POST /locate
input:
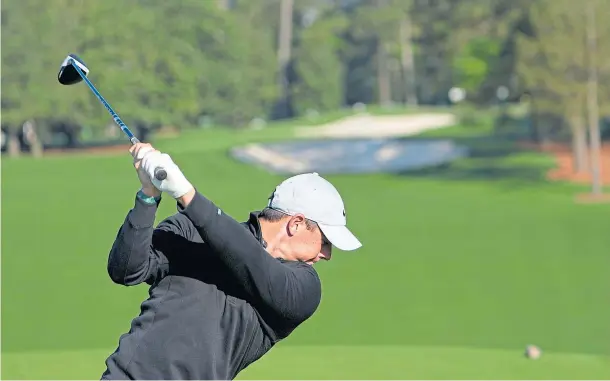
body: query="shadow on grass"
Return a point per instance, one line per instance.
(493, 159)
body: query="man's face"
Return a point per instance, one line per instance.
(305, 243)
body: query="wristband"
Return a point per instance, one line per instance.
(148, 199)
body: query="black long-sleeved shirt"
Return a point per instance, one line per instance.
(218, 301)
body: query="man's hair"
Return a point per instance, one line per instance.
(274, 215)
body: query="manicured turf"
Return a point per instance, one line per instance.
(327, 362)
(457, 275)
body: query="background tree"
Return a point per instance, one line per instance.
(562, 81)
(318, 70)
(555, 76)
(186, 64)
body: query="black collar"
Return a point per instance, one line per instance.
(253, 224)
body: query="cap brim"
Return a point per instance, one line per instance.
(341, 237)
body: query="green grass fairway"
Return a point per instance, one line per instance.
(461, 268)
(350, 362)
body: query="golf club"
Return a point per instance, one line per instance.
(72, 71)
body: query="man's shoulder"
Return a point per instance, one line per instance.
(176, 219)
(303, 268)
(179, 224)
(295, 264)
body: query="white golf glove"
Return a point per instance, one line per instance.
(175, 184)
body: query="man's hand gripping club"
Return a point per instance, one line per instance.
(146, 159)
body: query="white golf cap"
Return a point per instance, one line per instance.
(318, 200)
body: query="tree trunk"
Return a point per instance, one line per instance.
(32, 138)
(383, 76)
(383, 71)
(408, 62)
(13, 146)
(579, 145)
(592, 101)
(284, 53)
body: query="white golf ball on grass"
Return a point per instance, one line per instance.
(533, 352)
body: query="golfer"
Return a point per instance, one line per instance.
(222, 293)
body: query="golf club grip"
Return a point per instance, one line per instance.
(160, 173)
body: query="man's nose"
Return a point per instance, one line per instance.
(325, 254)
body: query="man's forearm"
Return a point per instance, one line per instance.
(185, 200)
(129, 256)
(151, 192)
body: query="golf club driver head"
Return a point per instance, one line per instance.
(67, 73)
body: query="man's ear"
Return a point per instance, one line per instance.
(296, 223)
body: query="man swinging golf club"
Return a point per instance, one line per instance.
(222, 292)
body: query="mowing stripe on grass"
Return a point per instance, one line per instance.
(344, 362)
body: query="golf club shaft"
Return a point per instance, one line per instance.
(160, 173)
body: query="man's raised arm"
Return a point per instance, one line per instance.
(137, 254)
(292, 292)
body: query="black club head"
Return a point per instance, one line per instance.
(67, 73)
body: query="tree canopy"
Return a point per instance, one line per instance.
(181, 63)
